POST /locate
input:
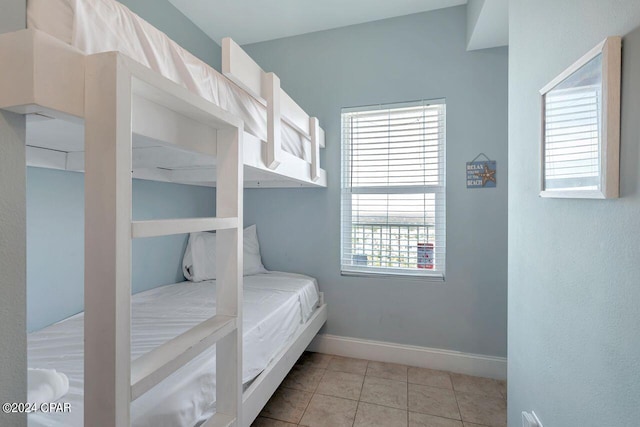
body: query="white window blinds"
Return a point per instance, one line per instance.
(573, 126)
(393, 189)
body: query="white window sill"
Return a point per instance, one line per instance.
(418, 276)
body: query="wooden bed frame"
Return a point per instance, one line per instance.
(118, 98)
(44, 79)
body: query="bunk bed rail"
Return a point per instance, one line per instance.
(264, 86)
(43, 77)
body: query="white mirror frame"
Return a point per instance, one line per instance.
(609, 137)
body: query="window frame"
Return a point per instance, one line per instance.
(438, 190)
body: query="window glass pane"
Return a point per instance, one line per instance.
(388, 228)
(572, 130)
(393, 196)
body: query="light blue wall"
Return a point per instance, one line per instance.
(13, 363)
(13, 16)
(400, 59)
(574, 265)
(164, 16)
(55, 239)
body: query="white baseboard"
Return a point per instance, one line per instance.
(423, 357)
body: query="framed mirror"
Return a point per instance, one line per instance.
(580, 152)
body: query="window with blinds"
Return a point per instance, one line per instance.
(393, 189)
(573, 123)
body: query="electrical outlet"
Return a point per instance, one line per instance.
(530, 419)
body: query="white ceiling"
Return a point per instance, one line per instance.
(250, 21)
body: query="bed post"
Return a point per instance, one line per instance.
(314, 130)
(13, 239)
(271, 92)
(107, 357)
(229, 203)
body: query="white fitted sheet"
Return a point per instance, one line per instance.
(274, 305)
(95, 26)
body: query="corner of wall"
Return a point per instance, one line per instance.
(474, 9)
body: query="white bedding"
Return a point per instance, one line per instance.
(95, 26)
(275, 306)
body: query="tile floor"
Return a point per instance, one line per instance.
(333, 391)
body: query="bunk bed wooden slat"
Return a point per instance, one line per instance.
(162, 91)
(271, 88)
(314, 127)
(290, 166)
(25, 59)
(155, 228)
(158, 157)
(229, 274)
(294, 115)
(161, 124)
(108, 192)
(156, 365)
(40, 157)
(241, 69)
(40, 70)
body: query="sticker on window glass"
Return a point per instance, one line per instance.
(425, 255)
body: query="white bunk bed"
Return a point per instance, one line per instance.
(116, 118)
(281, 142)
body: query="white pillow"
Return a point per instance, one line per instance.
(251, 258)
(199, 262)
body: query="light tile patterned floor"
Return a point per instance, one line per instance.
(333, 391)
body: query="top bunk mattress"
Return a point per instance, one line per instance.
(95, 26)
(275, 307)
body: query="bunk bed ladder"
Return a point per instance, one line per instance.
(112, 380)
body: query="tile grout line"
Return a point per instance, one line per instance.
(407, 397)
(321, 378)
(455, 396)
(305, 409)
(360, 395)
(314, 393)
(353, 423)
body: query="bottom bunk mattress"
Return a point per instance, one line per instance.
(276, 306)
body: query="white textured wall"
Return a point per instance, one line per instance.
(13, 15)
(574, 265)
(13, 306)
